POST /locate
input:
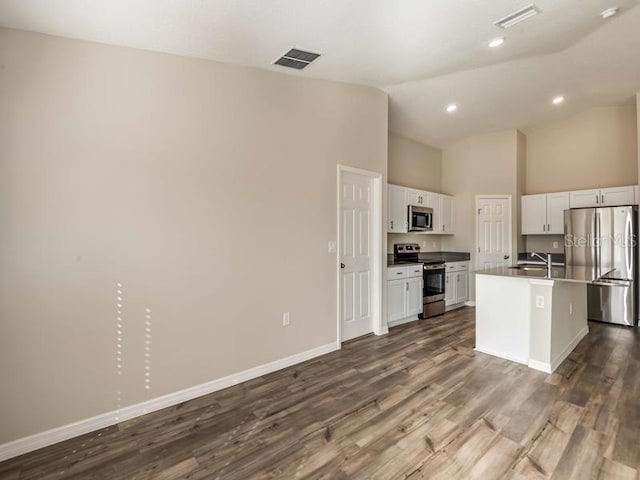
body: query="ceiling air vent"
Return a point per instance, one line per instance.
(517, 17)
(297, 59)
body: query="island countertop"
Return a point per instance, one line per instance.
(566, 274)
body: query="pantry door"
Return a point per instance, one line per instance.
(493, 239)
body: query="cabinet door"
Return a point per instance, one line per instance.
(462, 289)
(450, 289)
(397, 212)
(611, 197)
(446, 213)
(584, 198)
(396, 300)
(434, 201)
(416, 197)
(534, 214)
(557, 203)
(414, 296)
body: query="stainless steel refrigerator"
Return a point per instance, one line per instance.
(605, 239)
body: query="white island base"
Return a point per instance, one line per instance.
(534, 321)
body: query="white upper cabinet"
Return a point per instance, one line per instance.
(584, 198)
(418, 197)
(446, 214)
(543, 214)
(397, 211)
(611, 197)
(534, 214)
(602, 197)
(400, 198)
(557, 203)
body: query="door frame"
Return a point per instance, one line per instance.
(510, 211)
(377, 243)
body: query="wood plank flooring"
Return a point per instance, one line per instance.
(416, 404)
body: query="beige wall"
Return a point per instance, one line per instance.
(414, 164)
(480, 165)
(595, 148)
(207, 190)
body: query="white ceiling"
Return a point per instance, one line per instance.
(424, 53)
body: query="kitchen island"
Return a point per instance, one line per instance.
(531, 315)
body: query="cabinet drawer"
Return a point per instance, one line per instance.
(457, 266)
(394, 273)
(408, 271)
(414, 271)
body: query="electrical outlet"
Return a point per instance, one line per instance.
(555, 244)
(286, 319)
(331, 247)
(539, 301)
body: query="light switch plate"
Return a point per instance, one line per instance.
(331, 247)
(539, 301)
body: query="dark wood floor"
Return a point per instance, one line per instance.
(418, 403)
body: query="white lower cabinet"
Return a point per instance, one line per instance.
(456, 287)
(404, 294)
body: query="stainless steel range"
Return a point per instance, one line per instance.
(433, 278)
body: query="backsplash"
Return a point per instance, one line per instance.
(428, 243)
(544, 243)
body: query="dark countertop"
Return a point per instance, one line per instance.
(434, 257)
(567, 274)
(446, 256)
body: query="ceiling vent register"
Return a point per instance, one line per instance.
(297, 59)
(517, 17)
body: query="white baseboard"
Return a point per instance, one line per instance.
(65, 432)
(470, 303)
(395, 323)
(500, 355)
(555, 363)
(540, 366)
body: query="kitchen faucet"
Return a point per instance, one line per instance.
(546, 260)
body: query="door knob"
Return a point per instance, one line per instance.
(342, 265)
(506, 257)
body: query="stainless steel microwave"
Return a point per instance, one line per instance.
(420, 219)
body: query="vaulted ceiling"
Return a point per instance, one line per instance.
(425, 54)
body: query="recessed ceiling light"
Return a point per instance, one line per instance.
(558, 100)
(496, 42)
(452, 108)
(609, 12)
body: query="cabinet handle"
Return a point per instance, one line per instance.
(548, 227)
(601, 199)
(597, 199)
(407, 286)
(543, 229)
(443, 227)
(391, 224)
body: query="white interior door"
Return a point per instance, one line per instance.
(356, 254)
(494, 232)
